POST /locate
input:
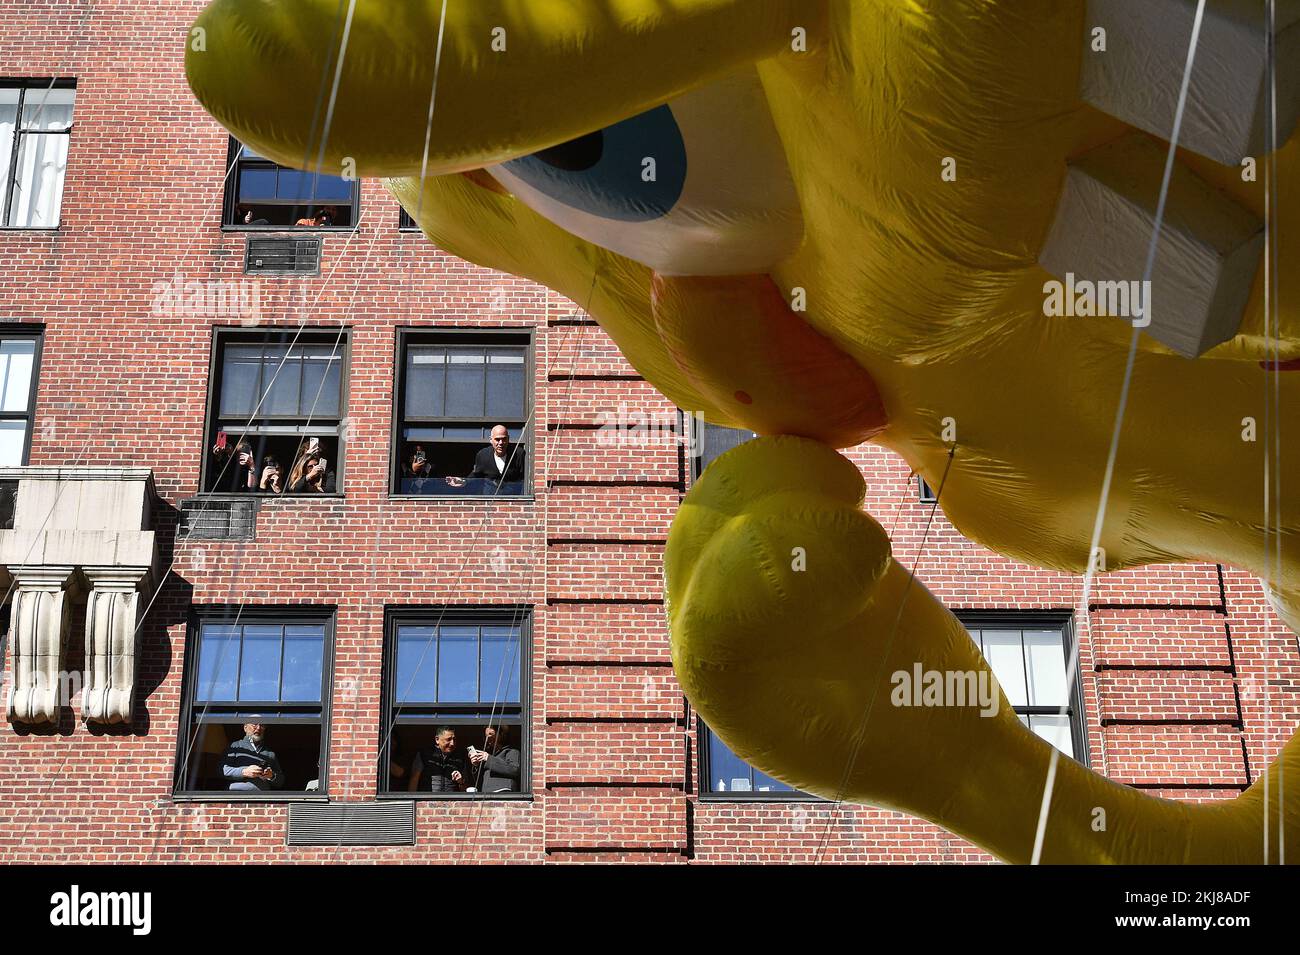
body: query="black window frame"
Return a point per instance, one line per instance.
(924, 493)
(24, 85)
(271, 614)
(459, 336)
(1062, 620)
(223, 335)
(230, 197)
(406, 222)
(444, 615)
(36, 332)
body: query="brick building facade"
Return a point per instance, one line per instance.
(1187, 681)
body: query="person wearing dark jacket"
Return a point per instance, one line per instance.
(499, 462)
(497, 764)
(438, 768)
(250, 765)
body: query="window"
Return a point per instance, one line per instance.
(462, 669)
(1028, 654)
(924, 492)
(725, 773)
(19, 362)
(276, 412)
(710, 441)
(35, 126)
(454, 388)
(261, 666)
(405, 223)
(263, 195)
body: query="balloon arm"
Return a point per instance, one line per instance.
(816, 657)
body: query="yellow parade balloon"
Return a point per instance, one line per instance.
(925, 223)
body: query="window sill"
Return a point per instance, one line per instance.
(30, 228)
(263, 496)
(249, 797)
(522, 498)
(309, 229)
(458, 797)
(736, 798)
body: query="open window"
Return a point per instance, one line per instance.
(460, 669)
(276, 412)
(261, 194)
(255, 722)
(35, 128)
(20, 351)
(455, 388)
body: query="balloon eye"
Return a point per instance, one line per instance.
(577, 155)
(633, 171)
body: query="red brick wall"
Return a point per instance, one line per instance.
(613, 749)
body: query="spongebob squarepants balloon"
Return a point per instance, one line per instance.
(924, 223)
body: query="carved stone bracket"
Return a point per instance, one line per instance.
(38, 624)
(112, 633)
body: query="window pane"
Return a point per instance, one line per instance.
(45, 107)
(8, 120)
(426, 368)
(499, 678)
(259, 670)
(16, 358)
(458, 665)
(764, 783)
(307, 187)
(715, 439)
(13, 438)
(256, 184)
(1056, 730)
(322, 368)
(417, 665)
(304, 652)
(728, 773)
(38, 181)
(505, 383)
(239, 379)
(1002, 650)
(1045, 656)
(218, 663)
(282, 381)
(465, 382)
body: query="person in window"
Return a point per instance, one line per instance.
(311, 475)
(417, 466)
(248, 217)
(233, 469)
(272, 480)
(321, 220)
(496, 766)
(250, 765)
(498, 462)
(438, 768)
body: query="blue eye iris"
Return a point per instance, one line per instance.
(604, 173)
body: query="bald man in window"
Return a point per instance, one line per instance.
(499, 462)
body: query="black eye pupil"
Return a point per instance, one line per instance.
(577, 154)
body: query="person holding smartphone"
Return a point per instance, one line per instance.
(250, 764)
(496, 766)
(232, 468)
(311, 475)
(272, 480)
